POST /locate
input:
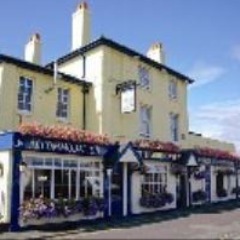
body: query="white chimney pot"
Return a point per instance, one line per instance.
(33, 49)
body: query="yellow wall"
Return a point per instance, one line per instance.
(44, 104)
(118, 68)
(200, 141)
(94, 74)
(105, 68)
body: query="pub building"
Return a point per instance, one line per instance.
(58, 174)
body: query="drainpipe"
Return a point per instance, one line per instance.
(84, 90)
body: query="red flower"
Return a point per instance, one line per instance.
(156, 145)
(216, 153)
(67, 133)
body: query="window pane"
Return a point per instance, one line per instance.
(42, 183)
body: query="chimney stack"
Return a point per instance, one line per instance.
(33, 49)
(157, 53)
(80, 26)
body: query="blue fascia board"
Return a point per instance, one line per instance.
(6, 140)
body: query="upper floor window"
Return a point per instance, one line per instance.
(25, 92)
(62, 103)
(145, 121)
(172, 91)
(174, 126)
(144, 79)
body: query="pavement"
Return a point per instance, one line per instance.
(218, 221)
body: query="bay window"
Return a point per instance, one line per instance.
(154, 182)
(59, 177)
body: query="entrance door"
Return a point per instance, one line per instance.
(219, 183)
(181, 191)
(117, 201)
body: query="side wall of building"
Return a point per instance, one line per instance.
(196, 140)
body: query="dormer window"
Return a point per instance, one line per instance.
(144, 79)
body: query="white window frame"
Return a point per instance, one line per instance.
(63, 101)
(90, 165)
(144, 77)
(174, 127)
(173, 89)
(26, 94)
(145, 120)
(155, 180)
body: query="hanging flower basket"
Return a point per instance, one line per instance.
(199, 175)
(177, 169)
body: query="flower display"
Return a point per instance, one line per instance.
(156, 200)
(45, 208)
(236, 190)
(199, 175)
(199, 195)
(221, 193)
(177, 169)
(139, 167)
(226, 171)
(63, 132)
(216, 153)
(156, 145)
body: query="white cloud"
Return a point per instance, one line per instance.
(219, 120)
(204, 74)
(236, 52)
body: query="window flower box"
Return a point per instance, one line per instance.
(156, 200)
(199, 196)
(47, 209)
(199, 175)
(221, 193)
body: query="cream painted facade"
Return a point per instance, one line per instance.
(44, 99)
(112, 67)
(105, 64)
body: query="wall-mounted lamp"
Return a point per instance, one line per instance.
(22, 166)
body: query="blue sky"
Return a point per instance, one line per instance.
(201, 39)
